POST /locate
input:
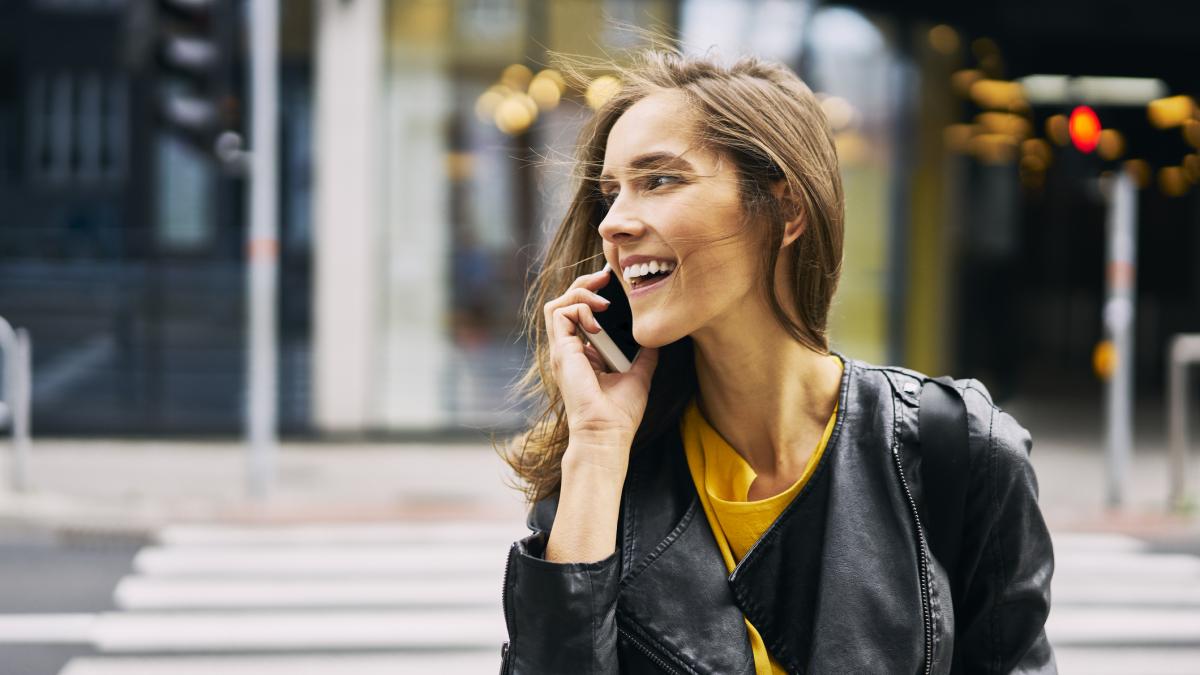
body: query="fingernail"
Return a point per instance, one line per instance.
(606, 301)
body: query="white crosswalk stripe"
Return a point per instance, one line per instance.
(425, 598)
(1118, 607)
(303, 600)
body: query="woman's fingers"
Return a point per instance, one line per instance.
(567, 321)
(574, 296)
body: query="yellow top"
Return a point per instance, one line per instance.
(723, 479)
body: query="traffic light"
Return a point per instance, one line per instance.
(1084, 128)
(193, 70)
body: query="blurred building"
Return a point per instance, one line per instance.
(425, 156)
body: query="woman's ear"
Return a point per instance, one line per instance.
(795, 226)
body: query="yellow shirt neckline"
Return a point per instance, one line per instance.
(722, 478)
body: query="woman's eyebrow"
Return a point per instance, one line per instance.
(647, 160)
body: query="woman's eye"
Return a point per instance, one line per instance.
(651, 182)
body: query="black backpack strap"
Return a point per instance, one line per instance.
(944, 467)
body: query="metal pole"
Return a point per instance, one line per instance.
(1118, 323)
(15, 351)
(22, 362)
(1184, 351)
(262, 249)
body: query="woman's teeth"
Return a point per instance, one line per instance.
(637, 273)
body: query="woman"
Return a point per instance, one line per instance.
(744, 500)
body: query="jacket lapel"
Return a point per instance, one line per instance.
(674, 586)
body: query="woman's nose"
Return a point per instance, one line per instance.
(620, 225)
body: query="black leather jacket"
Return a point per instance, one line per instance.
(842, 582)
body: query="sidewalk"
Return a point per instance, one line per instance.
(138, 486)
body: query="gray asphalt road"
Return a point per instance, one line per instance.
(43, 571)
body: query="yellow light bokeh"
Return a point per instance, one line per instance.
(488, 101)
(601, 90)
(984, 47)
(840, 112)
(1058, 129)
(516, 77)
(1191, 167)
(545, 93)
(944, 40)
(1032, 163)
(957, 137)
(1139, 170)
(1039, 148)
(1191, 133)
(515, 113)
(1172, 111)
(1172, 182)
(996, 94)
(1111, 144)
(1004, 123)
(962, 80)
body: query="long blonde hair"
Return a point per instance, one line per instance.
(753, 112)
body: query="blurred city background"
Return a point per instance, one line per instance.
(1022, 187)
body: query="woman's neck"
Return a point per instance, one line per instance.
(769, 396)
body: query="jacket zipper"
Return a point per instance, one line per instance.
(926, 612)
(505, 661)
(649, 652)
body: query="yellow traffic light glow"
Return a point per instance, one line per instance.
(1104, 359)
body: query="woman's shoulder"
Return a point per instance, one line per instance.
(989, 425)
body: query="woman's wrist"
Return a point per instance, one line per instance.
(596, 461)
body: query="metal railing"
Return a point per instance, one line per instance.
(1184, 351)
(16, 352)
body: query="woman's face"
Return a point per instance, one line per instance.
(673, 208)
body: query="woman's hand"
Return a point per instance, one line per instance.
(603, 409)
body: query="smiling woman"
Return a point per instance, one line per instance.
(743, 499)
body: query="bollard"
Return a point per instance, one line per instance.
(1184, 351)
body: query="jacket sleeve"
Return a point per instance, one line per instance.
(561, 617)
(1007, 558)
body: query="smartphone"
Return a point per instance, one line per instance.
(615, 340)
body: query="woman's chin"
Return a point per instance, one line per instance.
(653, 336)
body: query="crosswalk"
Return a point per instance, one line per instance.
(305, 600)
(403, 598)
(1117, 607)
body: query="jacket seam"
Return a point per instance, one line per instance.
(997, 549)
(628, 544)
(592, 614)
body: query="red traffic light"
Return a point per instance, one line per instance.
(1084, 128)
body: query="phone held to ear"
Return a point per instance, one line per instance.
(615, 340)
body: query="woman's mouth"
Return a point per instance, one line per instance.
(645, 284)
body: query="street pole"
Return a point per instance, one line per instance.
(262, 250)
(1119, 310)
